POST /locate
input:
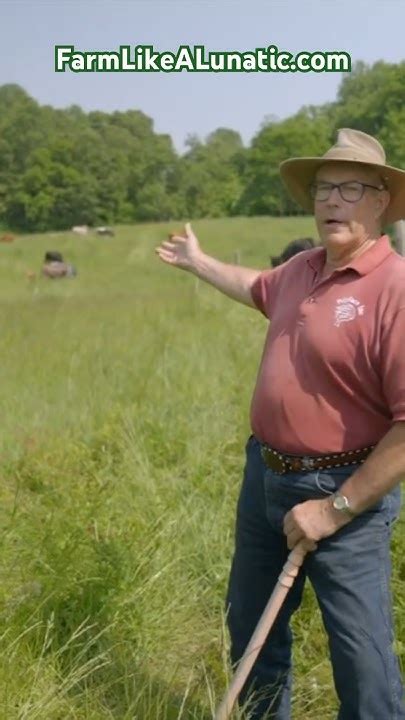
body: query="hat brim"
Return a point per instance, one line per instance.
(298, 174)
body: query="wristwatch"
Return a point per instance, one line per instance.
(341, 503)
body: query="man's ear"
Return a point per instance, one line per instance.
(383, 200)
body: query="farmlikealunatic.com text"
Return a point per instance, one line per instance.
(143, 58)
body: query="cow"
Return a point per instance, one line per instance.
(53, 256)
(105, 231)
(293, 247)
(55, 267)
(80, 229)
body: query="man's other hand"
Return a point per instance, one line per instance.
(182, 251)
(311, 521)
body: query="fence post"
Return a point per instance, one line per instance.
(400, 237)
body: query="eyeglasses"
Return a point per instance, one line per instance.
(349, 191)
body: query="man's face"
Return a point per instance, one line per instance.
(346, 224)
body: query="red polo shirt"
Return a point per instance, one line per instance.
(332, 374)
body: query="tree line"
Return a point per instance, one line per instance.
(60, 168)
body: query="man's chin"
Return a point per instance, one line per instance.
(336, 234)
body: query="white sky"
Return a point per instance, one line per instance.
(183, 103)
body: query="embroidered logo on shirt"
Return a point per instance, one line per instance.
(347, 309)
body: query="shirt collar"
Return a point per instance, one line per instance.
(363, 264)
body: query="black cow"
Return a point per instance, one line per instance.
(294, 247)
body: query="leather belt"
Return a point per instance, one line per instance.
(282, 464)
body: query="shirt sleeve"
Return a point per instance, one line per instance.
(393, 365)
(264, 290)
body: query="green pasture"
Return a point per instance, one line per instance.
(125, 411)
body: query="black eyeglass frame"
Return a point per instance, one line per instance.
(332, 186)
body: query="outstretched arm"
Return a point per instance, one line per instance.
(184, 252)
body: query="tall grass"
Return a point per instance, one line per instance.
(125, 396)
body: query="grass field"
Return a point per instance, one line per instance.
(125, 400)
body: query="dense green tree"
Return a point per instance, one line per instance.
(211, 183)
(392, 135)
(64, 167)
(304, 134)
(368, 94)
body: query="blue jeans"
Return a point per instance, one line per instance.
(350, 573)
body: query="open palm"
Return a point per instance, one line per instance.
(180, 250)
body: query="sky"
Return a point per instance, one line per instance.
(182, 104)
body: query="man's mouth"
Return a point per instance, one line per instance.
(333, 223)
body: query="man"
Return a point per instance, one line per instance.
(328, 419)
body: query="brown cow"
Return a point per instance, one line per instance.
(55, 267)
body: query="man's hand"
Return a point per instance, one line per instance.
(182, 251)
(311, 521)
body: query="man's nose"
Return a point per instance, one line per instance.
(334, 197)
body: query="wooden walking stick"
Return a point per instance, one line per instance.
(285, 581)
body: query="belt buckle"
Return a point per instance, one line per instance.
(308, 463)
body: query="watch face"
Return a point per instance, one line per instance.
(340, 503)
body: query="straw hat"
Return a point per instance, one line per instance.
(351, 146)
